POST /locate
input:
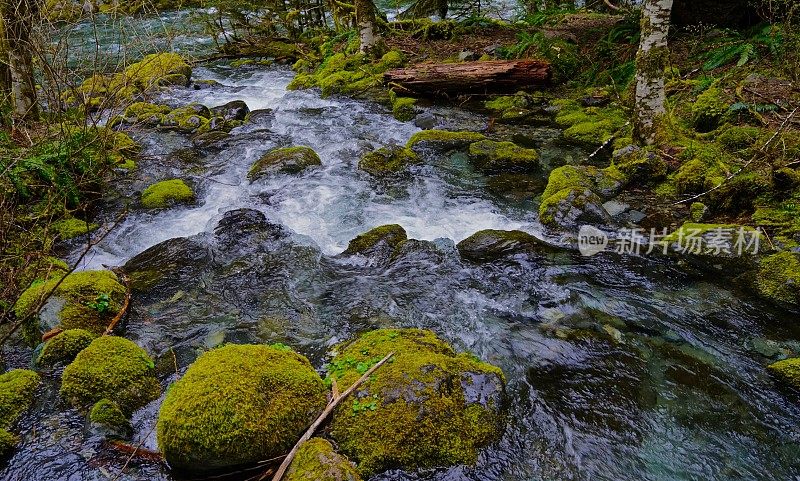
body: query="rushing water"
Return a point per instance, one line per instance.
(618, 368)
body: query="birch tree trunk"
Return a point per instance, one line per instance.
(366, 23)
(652, 59)
(18, 18)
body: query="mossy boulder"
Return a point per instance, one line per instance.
(238, 404)
(84, 300)
(63, 347)
(488, 245)
(591, 126)
(383, 239)
(233, 110)
(708, 109)
(112, 368)
(574, 195)
(737, 138)
(286, 160)
(167, 193)
(7, 443)
(495, 157)
(778, 278)
(17, 389)
(316, 460)
(71, 227)
(443, 139)
(189, 118)
(390, 160)
(698, 211)
(159, 69)
(429, 407)
(145, 113)
(403, 108)
(640, 165)
(788, 370)
(107, 417)
(507, 102)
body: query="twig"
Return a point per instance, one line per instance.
(747, 164)
(335, 400)
(133, 453)
(611, 6)
(124, 307)
(607, 142)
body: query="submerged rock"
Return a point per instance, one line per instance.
(495, 157)
(429, 407)
(84, 300)
(488, 245)
(316, 460)
(388, 161)
(167, 265)
(112, 368)
(287, 160)
(167, 193)
(380, 241)
(443, 139)
(64, 347)
(238, 404)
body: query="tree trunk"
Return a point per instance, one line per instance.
(365, 22)
(470, 77)
(652, 59)
(18, 18)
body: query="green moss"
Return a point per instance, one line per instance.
(159, 69)
(106, 413)
(79, 291)
(7, 442)
(280, 50)
(443, 139)
(641, 165)
(286, 160)
(735, 138)
(493, 157)
(17, 388)
(566, 177)
(392, 235)
(697, 211)
(316, 460)
(778, 278)
(111, 368)
(696, 237)
(238, 404)
(708, 109)
(190, 118)
(414, 412)
(167, 193)
(490, 244)
(508, 102)
(64, 347)
(706, 167)
(392, 59)
(589, 126)
(70, 228)
(146, 113)
(788, 370)
(388, 160)
(403, 108)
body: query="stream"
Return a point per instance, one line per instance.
(618, 367)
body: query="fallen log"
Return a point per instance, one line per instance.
(494, 76)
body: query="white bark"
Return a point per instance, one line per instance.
(18, 16)
(651, 61)
(365, 21)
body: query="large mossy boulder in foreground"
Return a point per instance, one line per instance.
(286, 160)
(495, 157)
(166, 194)
(84, 300)
(17, 388)
(388, 161)
(429, 407)
(316, 460)
(112, 368)
(238, 404)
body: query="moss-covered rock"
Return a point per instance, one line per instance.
(490, 244)
(574, 195)
(708, 109)
(737, 138)
(145, 113)
(640, 165)
(388, 161)
(189, 118)
(495, 157)
(238, 404)
(107, 416)
(403, 108)
(167, 193)
(429, 407)
(71, 227)
(64, 347)
(159, 69)
(788, 370)
(7, 443)
(112, 368)
(385, 237)
(778, 278)
(17, 389)
(316, 460)
(84, 300)
(286, 160)
(509, 102)
(591, 126)
(443, 139)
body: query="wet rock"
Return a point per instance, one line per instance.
(425, 121)
(788, 371)
(468, 56)
(83, 300)
(261, 116)
(165, 266)
(575, 194)
(428, 408)
(107, 419)
(245, 230)
(287, 160)
(378, 243)
(205, 85)
(234, 110)
(17, 391)
(488, 245)
(167, 193)
(388, 161)
(205, 423)
(183, 157)
(639, 165)
(495, 157)
(316, 460)
(206, 140)
(111, 368)
(443, 140)
(190, 118)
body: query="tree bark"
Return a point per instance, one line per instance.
(18, 16)
(471, 77)
(651, 61)
(365, 22)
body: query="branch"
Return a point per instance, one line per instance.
(124, 307)
(335, 400)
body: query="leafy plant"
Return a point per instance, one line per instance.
(101, 303)
(369, 404)
(740, 50)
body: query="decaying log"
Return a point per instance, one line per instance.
(494, 76)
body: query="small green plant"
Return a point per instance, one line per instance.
(101, 303)
(741, 50)
(369, 404)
